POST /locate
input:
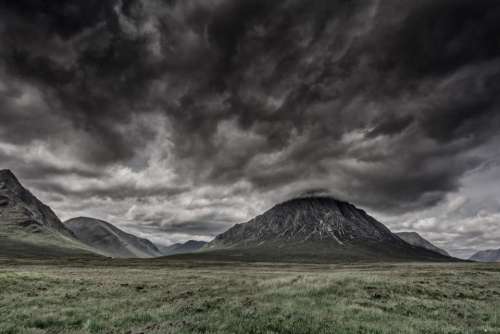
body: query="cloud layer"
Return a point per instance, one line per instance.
(183, 117)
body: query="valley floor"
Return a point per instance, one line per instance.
(164, 296)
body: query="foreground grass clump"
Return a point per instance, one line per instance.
(173, 297)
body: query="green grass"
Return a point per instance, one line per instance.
(166, 296)
(38, 241)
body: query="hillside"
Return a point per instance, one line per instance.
(415, 239)
(109, 240)
(30, 228)
(491, 255)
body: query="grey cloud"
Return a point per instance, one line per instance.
(208, 225)
(385, 103)
(193, 227)
(115, 192)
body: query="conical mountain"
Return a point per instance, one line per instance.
(30, 228)
(316, 229)
(307, 219)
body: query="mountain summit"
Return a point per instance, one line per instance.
(321, 228)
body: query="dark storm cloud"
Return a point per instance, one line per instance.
(34, 171)
(87, 69)
(391, 126)
(120, 191)
(59, 17)
(391, 97)
(439, 37)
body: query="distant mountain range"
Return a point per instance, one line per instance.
(109, 240)
(190, 246)
(491, 255)
(415, 239)
(310, 229)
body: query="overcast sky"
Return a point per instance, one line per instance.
(177, 119)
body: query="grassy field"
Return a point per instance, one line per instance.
(160, 296)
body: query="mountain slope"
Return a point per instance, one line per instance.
(491, 255)
(415, 239)
(190, 246)
(318, 229)
(110, 240)
(30, 228)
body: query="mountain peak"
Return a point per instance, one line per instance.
(8, 179)
(308, 219)
(5, 171)
(313, 199)
(318, 201)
